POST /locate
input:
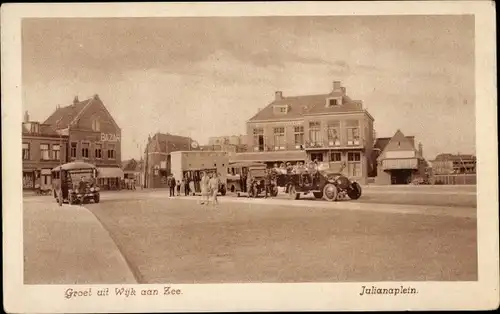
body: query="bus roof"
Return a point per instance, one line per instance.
(75, 165)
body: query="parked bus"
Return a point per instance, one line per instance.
(190, 164)
(237, 174)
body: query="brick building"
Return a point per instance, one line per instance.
(42, 150)
(93, 137)
(157, 157)
(397, 161)
(330, 127)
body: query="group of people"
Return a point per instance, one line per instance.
(209, 186)
(176, 187)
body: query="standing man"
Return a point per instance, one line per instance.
(267, 182)
(249, 182)
(204, 185)
(172, 186)
(214, 188)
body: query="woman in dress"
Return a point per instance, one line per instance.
(204, 189)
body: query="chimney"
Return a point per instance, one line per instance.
(75, 100)
(337, 86)
(278, 95)
(26, 117)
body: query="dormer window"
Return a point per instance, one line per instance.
(281, 109)
(333, 102)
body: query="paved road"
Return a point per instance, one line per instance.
(241, 240)
(280, 240)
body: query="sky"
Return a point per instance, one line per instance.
(206, 76)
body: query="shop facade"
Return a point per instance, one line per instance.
(42, 150)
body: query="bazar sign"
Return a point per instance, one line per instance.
(105, 137)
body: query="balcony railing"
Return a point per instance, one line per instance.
(356, 143)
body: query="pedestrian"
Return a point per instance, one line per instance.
(172, 186)
(182, 187)
(267, 182)
(178, 186)
(204, 188)
(191, 187)
(249, 183)
(214, 188)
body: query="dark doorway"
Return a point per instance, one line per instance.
(402, 176)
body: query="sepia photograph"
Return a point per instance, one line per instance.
(165, 154)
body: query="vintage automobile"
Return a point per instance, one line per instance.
(258, 174)
(75, 182)
(324, 183)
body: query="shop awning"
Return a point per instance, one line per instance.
(109, 172)
(395, 164)
(277, 156)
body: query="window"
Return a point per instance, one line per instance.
(98, 151)
(333, 133)
(56, 152)
(258, 139)
(73, 150)
(85, 150)
(353, 132)
(298, 136)
(317, 157)
(332, 102)
(35, 127)
(111, 151)
(26, 151)
(96, 125)
(315, 133)
(44, 151)
(354, 164)
(280, 109)
(279, 138)
(335, 157)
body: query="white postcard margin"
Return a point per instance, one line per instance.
(483, 294)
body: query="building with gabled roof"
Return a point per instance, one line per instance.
(454, 164)
(94, 137)
(329, 127)
(397, 159)
(157, 156)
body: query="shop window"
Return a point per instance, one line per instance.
(85, 150)
(44, 152)
(26, 151)
(56, 152)
(73, 150)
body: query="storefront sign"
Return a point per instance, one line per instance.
(106, 137)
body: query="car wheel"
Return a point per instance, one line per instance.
(354, 191)
(318, 194)
(330, 192)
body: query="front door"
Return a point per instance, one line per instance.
(261, 143)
